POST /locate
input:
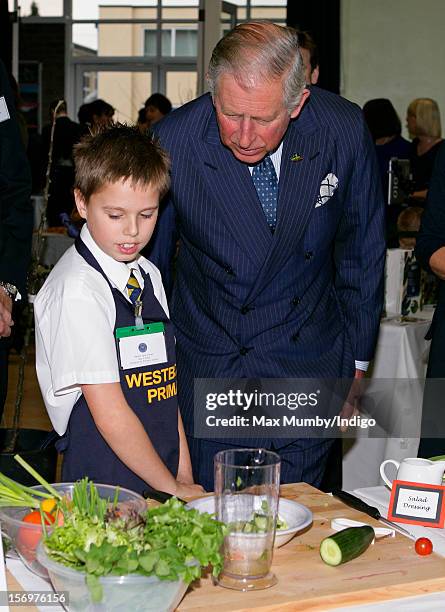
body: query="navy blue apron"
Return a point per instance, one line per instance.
(85, 451)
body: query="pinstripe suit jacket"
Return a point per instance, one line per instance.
(304, 302)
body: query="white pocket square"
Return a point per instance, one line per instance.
(327, 188)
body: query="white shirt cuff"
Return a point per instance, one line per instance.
(361, 365)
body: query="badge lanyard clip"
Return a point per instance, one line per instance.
(139, 323)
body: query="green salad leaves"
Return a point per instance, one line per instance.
(169, 541)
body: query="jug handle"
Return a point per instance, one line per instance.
(382, 471)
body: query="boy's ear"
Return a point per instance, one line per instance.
(81, 205)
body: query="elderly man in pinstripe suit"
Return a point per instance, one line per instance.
(276, 200)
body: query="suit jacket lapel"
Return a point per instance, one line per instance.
(231, 186)
(299, 185)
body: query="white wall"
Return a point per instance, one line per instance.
(393, 49)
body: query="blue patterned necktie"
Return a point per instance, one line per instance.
(266, 184)
(133, 288)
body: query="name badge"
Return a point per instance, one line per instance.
(141, 347)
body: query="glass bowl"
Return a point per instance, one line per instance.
(25, 537)
(133, 592)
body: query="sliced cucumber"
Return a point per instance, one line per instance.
(261, 522)
(346, 544)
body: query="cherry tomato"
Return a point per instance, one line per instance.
(423, 546)
(29, 537)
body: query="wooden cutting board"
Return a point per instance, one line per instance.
(389, 569)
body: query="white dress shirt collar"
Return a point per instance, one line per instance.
(276, 160)
(117, 272)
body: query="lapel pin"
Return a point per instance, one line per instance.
(296, 157)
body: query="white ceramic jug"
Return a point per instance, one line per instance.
(415, 469)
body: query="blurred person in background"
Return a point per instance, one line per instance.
(424, 127)
(386, 131)
(430, 252)
(16, 221)
(66, 134)
(156, 107)
(386, 128)
(101, 113)
(309, 53)
(94, 115)
(142, 121)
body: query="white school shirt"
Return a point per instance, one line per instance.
(74, 318)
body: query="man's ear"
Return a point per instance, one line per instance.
(304, 96)
(81, 205)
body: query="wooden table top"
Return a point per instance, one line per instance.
(389, 569)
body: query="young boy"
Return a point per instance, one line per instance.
(105, 346)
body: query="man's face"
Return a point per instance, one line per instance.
(252, 121)
(121, 217)
(310, 75)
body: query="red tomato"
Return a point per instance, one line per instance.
(423, 546)
(29, 537)
(34, 517)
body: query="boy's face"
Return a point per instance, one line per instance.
(121, 217)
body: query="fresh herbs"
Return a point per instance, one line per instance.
(170, 542)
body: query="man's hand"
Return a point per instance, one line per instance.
(6, 321)
(351, 405)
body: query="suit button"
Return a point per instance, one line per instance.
(296, 301)
(229, 271)
(244, 310)
(295, 337)
(244, 350)
(308, 255)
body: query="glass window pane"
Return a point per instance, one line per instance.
(84, 39)
(150, 42)
(41, 8)
(181, 86)
(166, 48)
(186, 43)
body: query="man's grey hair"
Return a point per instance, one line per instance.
(258, 52)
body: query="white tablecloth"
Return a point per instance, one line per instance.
(401, 353)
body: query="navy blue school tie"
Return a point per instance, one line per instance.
(133, 288)
(266, 184)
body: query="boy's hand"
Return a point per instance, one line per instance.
(188, 490)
